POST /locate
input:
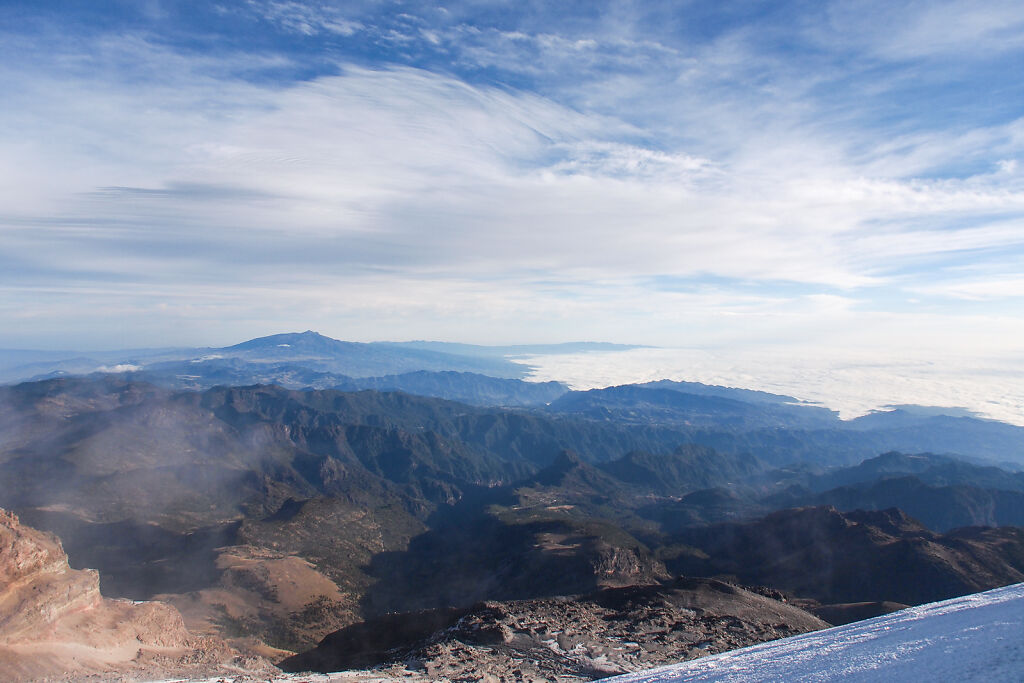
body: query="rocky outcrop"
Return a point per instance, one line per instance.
(579, 638)
(857, 556)
(55, 624)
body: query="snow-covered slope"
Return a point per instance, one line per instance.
(973, 638)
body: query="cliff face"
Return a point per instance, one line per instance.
(55, 624)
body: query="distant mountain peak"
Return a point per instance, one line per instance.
(296, 342)
(568, 465)
(567, 459)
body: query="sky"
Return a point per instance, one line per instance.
(721, 175)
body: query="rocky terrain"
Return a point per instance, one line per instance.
(581, 638)
(55, 625)
(272, 517)
(942, 492)
(857, 556)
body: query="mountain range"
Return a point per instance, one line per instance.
(276, 512)
(310, 351)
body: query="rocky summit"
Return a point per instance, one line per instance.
(580, 638)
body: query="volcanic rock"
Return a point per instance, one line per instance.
(55, 624)
(578, 638)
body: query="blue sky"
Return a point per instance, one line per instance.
(722, 174)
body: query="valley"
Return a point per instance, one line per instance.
(284, 520)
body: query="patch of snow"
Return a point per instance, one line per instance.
(972, 638)
(122, 367)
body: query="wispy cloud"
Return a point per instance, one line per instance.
(924, 29)
(542, 170)
(305, 18)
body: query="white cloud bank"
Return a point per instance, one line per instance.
(852, 382)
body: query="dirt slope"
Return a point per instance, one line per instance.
(55, 625)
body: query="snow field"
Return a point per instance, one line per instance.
(972, 638)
